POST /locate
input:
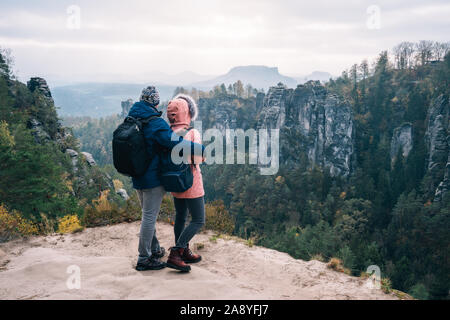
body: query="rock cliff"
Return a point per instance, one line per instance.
(437, 139)
(314, 121)
(126, 106)
(401, 141)
(46, 128)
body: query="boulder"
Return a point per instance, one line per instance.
(89, 159)
(123, 193)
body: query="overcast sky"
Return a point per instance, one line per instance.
(126, 39)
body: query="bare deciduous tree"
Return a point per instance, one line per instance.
(424, 51)
(403, 54)
(440, 49)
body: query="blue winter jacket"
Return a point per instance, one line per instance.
(158, 136)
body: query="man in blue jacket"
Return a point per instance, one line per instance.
(158, 136)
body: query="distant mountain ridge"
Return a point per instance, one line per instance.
(98, 99)
(258, 76)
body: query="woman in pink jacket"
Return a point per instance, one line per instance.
(180, 112)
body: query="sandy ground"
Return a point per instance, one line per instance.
(38, 269)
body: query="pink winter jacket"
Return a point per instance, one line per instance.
(179, 113)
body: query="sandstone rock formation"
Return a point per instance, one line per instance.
(39, 84)
(314, 121)
(444, 185)
(401, 140)
(123, 194)
(74, 156)
(273, 112)
(437, 140)
(126, 106)
(227, 112)
(311, 120)
(37, 130)
(89, 159)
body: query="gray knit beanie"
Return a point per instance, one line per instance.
(150, 95)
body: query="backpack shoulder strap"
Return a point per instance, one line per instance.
(143, 122)
(147, 120)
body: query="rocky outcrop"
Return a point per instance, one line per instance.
(273, 112)
(259, 101)
(82, 173)
(123, 194)
(338, 140)
(401, 141)
(126, 106)
(74, 157)
(38, 131)
(444, 185)
(89, 159)
(86, 156)
(227, 112)
(437, 141)
(312, 121)
(40, 85)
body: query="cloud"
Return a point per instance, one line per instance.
(210, 36)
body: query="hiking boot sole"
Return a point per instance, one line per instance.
(182, 269)
(147, 268)
(193, 261)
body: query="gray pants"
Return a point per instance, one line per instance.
(150, 200)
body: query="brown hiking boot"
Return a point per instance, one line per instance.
(175, 260)
(190, 257)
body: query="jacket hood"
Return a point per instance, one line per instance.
(144, 110)
(193, 109)
(178, 114)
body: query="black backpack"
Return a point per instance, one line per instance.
(175, 177)
(129, 148)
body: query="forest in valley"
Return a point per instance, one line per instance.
(384, 213)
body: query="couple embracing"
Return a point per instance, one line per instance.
(159, 137)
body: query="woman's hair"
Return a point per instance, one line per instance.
(193, 109)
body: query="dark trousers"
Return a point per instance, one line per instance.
(184, 234)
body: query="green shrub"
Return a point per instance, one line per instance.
(218, 218)
(103, 212)
(419, 291)
(347, 257)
